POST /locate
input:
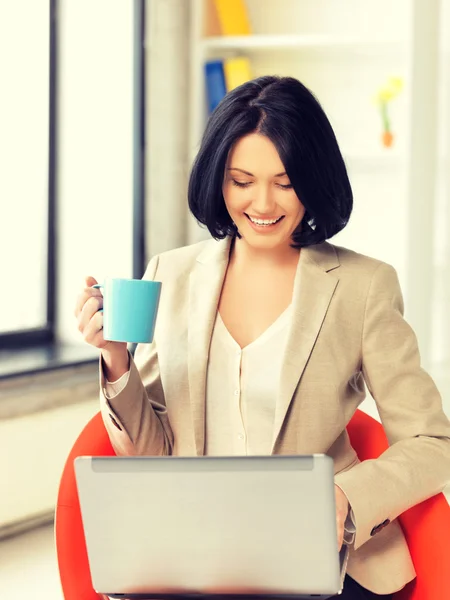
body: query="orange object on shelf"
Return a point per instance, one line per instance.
(387, 139)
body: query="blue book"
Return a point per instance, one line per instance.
(215, 83)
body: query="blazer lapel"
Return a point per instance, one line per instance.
(205, 286)
(313, 289)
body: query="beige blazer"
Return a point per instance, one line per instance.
(347, 331)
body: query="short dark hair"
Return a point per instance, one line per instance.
(286, 112)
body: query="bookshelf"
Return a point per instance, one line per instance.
(296, 39)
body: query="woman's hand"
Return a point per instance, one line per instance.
(342, 508)
(90, 324)
(90, 317)
(88, 314)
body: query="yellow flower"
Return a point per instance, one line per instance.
(396, 85)
(390, 90)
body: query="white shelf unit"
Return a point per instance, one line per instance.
(278, 46)
(267, 42)
(343, 51)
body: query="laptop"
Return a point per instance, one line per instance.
(228, 527)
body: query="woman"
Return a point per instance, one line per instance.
(267, 334)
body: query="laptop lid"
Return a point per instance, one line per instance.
(170, 526)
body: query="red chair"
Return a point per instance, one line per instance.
(69, 535)
(426, 526)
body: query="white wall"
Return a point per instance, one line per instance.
(167, 124)
(441, 313)
(34, 449)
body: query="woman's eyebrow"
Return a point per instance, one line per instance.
(240, 170)
(251, 174)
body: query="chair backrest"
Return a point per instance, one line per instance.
(71, 550)
(426, 526)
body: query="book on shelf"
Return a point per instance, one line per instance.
(237, 71)
(232, 17)
(215, 83)
(222, 76)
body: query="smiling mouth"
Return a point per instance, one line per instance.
(264, 222)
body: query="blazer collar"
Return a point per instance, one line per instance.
(215, 251)
(315, 283)
(313, 289)
(205, 286)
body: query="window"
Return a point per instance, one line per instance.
(27, 123)
(83, 215)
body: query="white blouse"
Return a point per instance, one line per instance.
(241, 389)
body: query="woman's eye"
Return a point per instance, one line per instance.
(241, 184)
(244, 184)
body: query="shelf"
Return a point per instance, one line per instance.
(389, 159)
(311, 41)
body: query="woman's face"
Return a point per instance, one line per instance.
(258, 194)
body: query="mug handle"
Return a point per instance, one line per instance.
(98, 286)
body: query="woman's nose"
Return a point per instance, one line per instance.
(262, 202)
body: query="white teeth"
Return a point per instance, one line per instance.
(264, 222)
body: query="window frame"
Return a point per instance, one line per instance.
(139, 137)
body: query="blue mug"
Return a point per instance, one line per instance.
(130, 307)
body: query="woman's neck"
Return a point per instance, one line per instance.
(243, 254)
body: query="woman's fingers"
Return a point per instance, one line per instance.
(90, 308)
(93, 331)
(90, 317)
(86, 294)
(342, 508)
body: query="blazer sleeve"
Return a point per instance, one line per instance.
(416, 466)
(136, 418)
